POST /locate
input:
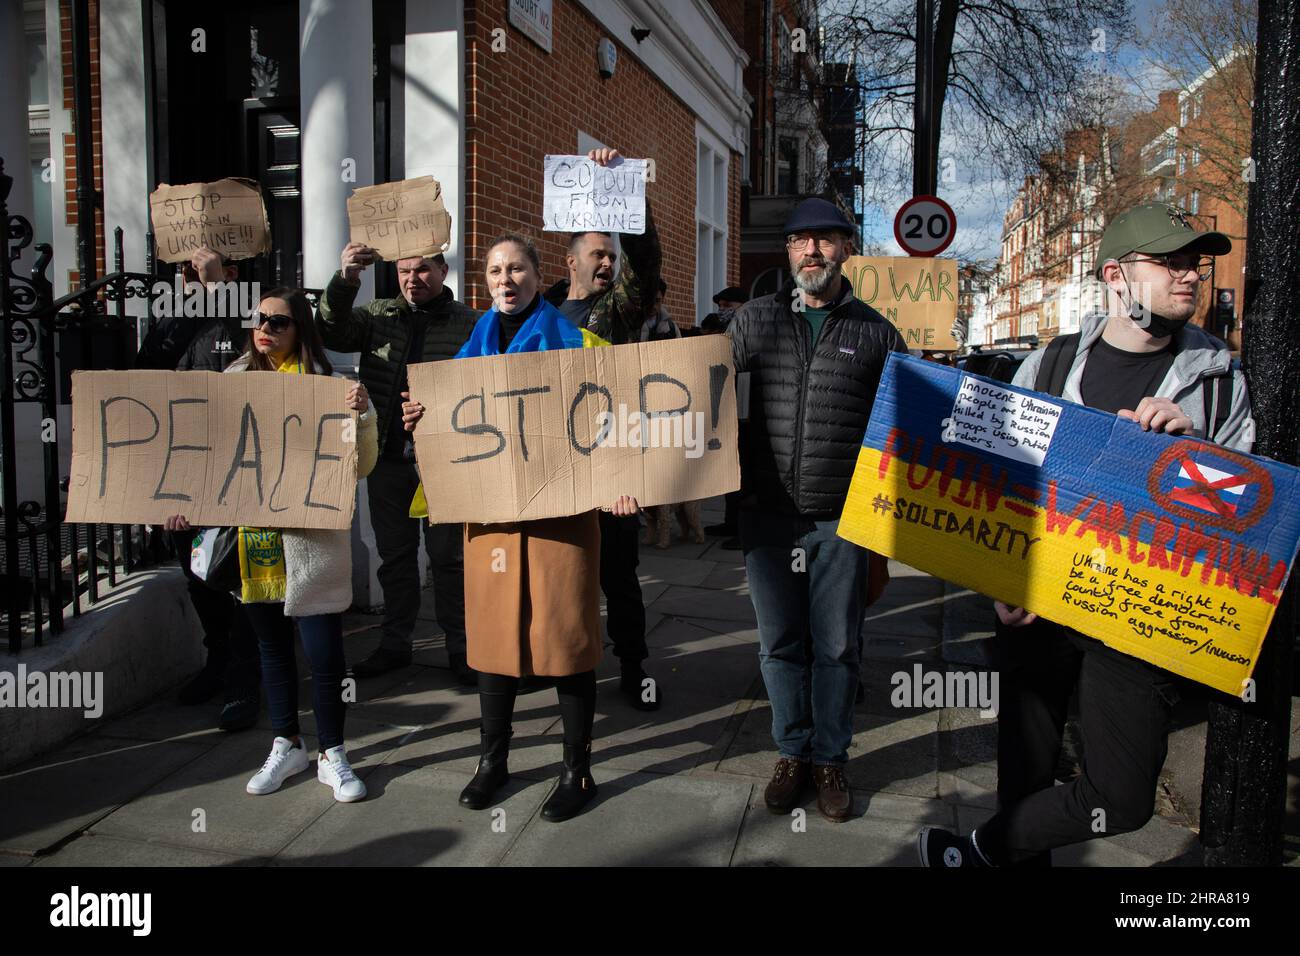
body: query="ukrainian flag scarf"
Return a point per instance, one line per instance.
(545, 330)
(261, 550)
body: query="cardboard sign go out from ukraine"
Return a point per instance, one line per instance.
(400, 220)
(259, 449)
(1168, 548)
(517, 437)
(227, 216)
(579, 195)
(918, 295)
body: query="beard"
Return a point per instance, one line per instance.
(820, 281)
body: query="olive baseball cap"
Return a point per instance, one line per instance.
(1156, 228)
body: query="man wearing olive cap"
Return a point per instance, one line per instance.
(1142, 361)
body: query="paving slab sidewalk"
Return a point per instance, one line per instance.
(681, 786)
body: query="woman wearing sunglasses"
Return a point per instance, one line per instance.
(531, 587)
(297, 575)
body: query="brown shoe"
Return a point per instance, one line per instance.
(789, 779)
(834, 799)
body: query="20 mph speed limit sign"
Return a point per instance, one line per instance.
(925, 226)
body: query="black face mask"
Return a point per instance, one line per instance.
(1151, 322)
(1154, 323)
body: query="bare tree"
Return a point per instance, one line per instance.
(1206, 48)
(1006, 71)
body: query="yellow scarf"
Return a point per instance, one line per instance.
(261, 551)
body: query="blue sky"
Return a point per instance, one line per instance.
(980, 195)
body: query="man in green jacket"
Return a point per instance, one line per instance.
(614, 303)
(425, 324)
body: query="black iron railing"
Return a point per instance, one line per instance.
(47, 566)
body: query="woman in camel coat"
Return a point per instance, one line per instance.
(531, 587)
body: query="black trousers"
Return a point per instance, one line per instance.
(1124, 708)
(620, 553)
(576, 693)
(231, 650)
(390, 488)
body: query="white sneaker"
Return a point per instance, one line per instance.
(332, 768)
(285, 760)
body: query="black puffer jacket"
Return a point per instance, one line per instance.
(193, 344)
(808, 402)
(381, 332)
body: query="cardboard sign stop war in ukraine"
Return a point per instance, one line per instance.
(400, 220)
(1168, 548)
(227, 216)
(918, 295)
(258, 449)
(546, 434)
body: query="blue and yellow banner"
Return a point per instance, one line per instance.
(1169, 548)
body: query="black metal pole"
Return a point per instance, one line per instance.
(923, 174)
(84, 135)
(1244, 790)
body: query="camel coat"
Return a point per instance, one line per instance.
(532, 607)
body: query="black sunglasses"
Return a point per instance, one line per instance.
(278, 323)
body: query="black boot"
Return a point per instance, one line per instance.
(576, 787)
(491, 774)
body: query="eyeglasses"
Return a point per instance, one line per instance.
(278, 323)
(1180, 263)
(799, 240)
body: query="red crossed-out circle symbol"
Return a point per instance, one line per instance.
(1179, 483)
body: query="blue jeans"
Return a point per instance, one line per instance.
(322, 642)
(808, 587)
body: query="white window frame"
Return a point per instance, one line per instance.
(712, 170)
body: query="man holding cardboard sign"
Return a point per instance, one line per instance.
(425, 324)
(1142, 361)
(613, 303)
(228, 217)
(815, 355)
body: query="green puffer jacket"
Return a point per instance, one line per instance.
(381, 332)
(617, 315)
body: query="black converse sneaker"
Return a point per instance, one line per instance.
(939, 847)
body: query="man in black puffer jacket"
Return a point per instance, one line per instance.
(208, 343)
(814, 354)
(425, 324)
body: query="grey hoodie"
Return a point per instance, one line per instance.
(1198, 355)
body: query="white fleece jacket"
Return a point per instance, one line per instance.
(318, 563)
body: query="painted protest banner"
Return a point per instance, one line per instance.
(918, 295)
(400, 220)
(1165, 547)
(580, 195)
(227, 216)
(546, 434)
(259, 449)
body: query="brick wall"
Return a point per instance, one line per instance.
(524, 103)
(69, 141)
(732, 15)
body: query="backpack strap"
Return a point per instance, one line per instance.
(1055, 367)
(1217, 398)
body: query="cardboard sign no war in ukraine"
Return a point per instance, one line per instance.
(259, 449)
(546, 434)
(1168, 548)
